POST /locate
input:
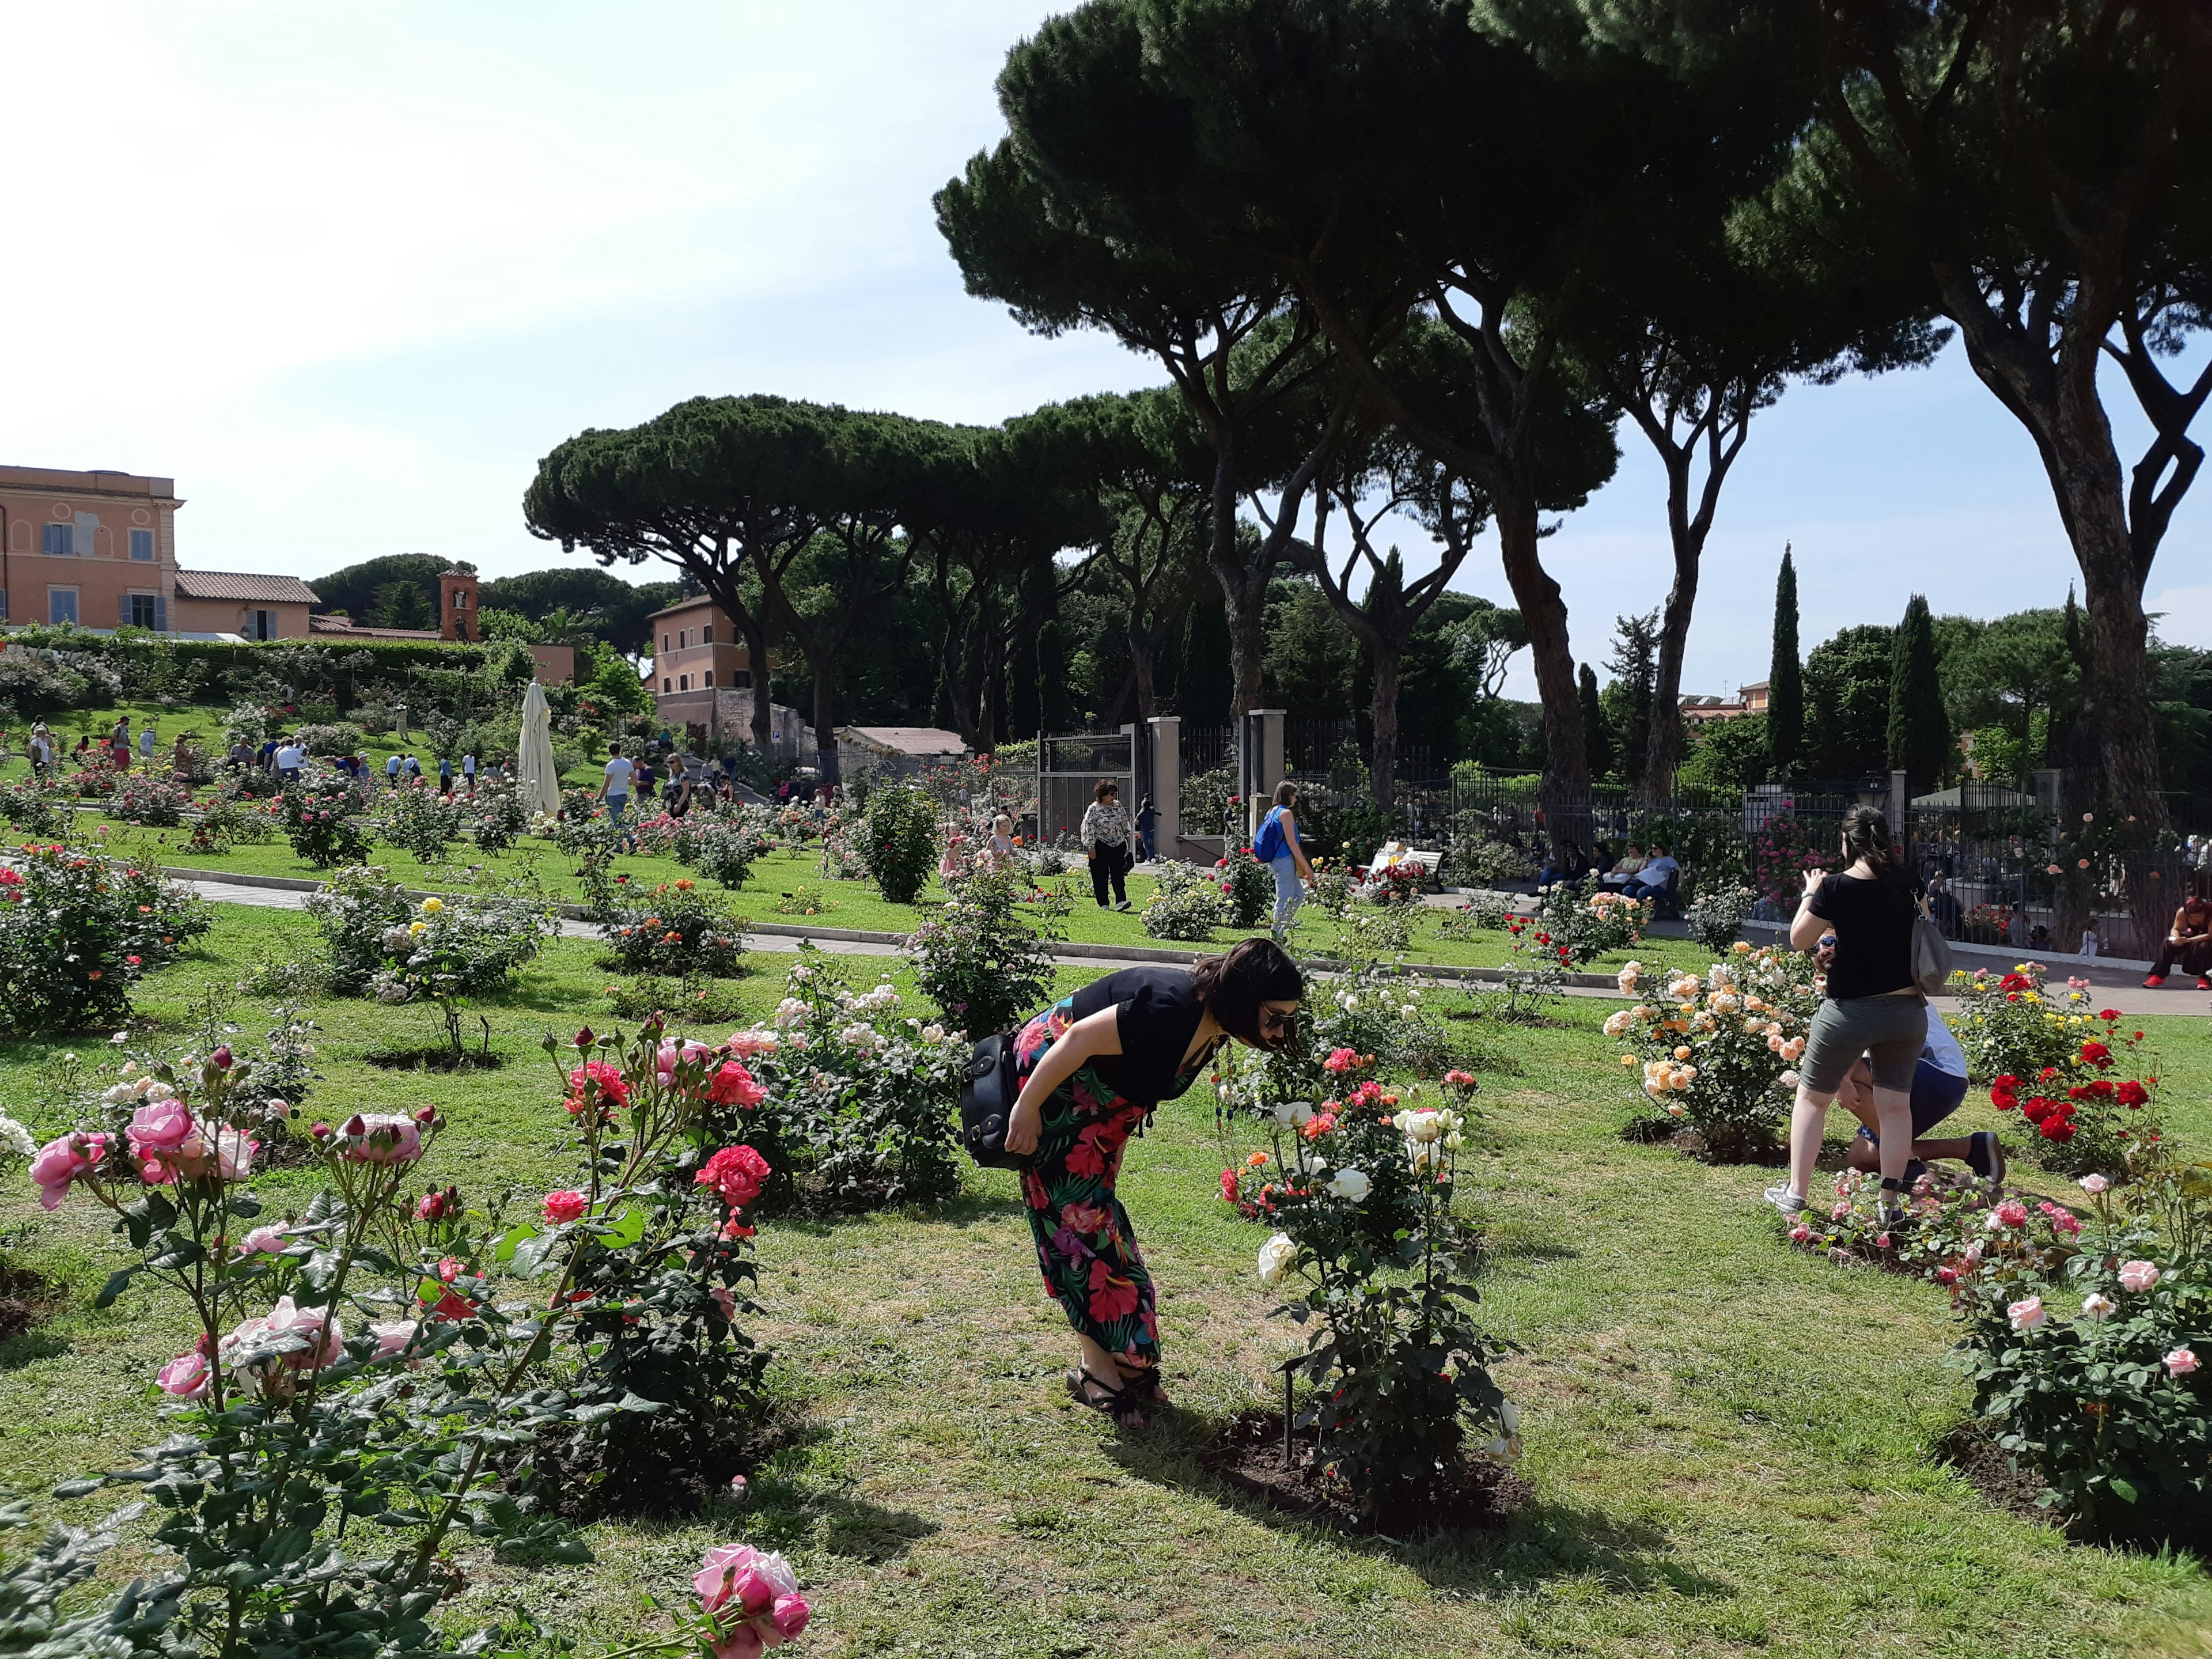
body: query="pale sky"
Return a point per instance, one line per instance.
(347, 271)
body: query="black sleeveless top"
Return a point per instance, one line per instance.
(1156, 1015)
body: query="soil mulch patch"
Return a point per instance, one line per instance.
(27, 1300)
(436, 1057)
(1480, 1496)
(1662, 1132)
(1975, 1455)
(585, 1480)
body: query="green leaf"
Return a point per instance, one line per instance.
(118, 1282)
(2124, 1488)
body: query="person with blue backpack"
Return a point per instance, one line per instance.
(1277, 846)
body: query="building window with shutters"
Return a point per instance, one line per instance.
(742, 679)
(59, 542)
(141, 545)
(60, 604)
(665, 645)
(141, 611)
(261, 625)
(707, 635)
(710, 677)
(664, 683)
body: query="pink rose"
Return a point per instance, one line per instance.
(2180, 1363)
(1800, 1233)
(159, 1126)
(2093, 1184)
(790, 1614)
(382, 1138)
(738, 1579)
(726, 1300)
(562, 1207)
(265, 1240)
(321, 1336)
(745, 1044)
(63, 1160)
(731, 1084)
(2138, 1275)
(2011, 1213)
(186, 1376)
(2027, 1314)
(392, 1336)
(222, 1152)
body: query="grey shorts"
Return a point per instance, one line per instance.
(1889, 1030)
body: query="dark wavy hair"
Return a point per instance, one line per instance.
(1866, 835)
(1234, 985)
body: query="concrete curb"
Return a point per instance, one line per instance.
(1062, 949)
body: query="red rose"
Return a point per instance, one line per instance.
(2132, 1094)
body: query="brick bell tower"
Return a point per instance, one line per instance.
(457, 605)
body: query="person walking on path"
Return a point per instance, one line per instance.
(445, 775)
(1094, 1067)
(2190, 939)
(146, 742)
(1106, 831)
(617, 775)
(1871, 1005)
(469, 771)
(1148, 822)
(1277, 846)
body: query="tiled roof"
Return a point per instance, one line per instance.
(238, 585)
(910, 739)
(320, 624)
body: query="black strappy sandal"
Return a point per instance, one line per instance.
(1108, 1400)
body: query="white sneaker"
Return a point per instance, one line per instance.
(1785, 1200)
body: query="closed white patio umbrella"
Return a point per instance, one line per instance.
(534, 765)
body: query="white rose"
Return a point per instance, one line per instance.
(1422, 1126)
(1277, 1257)
(1350, 1183)
(1290, 1114)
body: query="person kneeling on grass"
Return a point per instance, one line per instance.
(1939, 1084)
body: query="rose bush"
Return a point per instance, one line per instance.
(77, 933)
(986, 958)
(155, 801)
(446, 950)
(724, 845)
(318, 812)
(417, 819)
(1186, 903)
(862, 1098)
(898, 840)
(2087, 1113)
(1583, 925)
(672, 927)
(1368, 1240)
(1717, 1054)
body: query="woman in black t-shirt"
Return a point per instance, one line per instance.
(1093, 1066)
(1873, 1006)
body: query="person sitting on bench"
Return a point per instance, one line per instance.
(1654, 878)
(1625, 868)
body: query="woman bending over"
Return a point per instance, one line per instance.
(1094, 1066)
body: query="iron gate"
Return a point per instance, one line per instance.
(1070, 770)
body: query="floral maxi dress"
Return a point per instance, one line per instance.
(1086, 1246)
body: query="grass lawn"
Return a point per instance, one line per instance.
(775, 891)
(1730, 1444)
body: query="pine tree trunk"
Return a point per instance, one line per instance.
(825, 731)
(763, 723)
(1566, 784)
(1140, 665)
(1382, 708)
(2112, 758)
(1662, 751)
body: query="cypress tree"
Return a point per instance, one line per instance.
(1597, 734)
(1919, 731)
(1785, 678)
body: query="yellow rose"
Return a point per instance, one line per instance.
(432, 906)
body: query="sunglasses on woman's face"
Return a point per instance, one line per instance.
(1274, 1022)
